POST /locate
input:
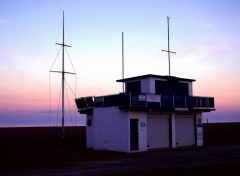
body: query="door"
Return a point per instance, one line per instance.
(134, 134)
(158, 131)
(185, 130)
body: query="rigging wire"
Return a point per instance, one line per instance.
(74, 93)
(59, 105)
(75, 107)
(55, 58)
(49, 99)
(63, 90)
(69, 106)
(71, 62)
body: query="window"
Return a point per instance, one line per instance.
(133, 87)
(171, 88)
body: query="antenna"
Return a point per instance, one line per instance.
(168, 51)
(123, 59)
(63, 75)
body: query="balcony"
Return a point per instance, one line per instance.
(146, 102)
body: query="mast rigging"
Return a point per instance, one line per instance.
(63, 72)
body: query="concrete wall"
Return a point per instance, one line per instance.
(190, 89)
(89, 131)
(152, 85)
(111, 129)
(173, 127)
(199, 128)
(145, 85)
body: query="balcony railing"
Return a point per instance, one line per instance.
(147, 101)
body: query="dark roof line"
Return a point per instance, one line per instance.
(168, 78)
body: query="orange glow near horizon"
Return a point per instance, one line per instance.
(207, 46)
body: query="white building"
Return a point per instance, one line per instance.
(154, 112)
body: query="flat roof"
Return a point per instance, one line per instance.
(168, 78)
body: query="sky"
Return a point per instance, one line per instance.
(204, 34)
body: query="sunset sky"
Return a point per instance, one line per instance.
(205, 34)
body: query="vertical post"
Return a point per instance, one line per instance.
(168, 51)
(146, 100)
(123, 60)
(185, 99)
(63, 76)
(196, 103)
(130, 99)
(160, 101)
(63, 79)
(173, 130)
(173, 101)
(168, 48)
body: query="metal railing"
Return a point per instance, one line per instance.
(151, 101)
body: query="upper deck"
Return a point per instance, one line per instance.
(146, 102)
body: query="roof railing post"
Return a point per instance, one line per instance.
(130, 99)
(160, 101)
(173, 101)
(103, 101)
(146, 99)
(185, 99)
(196, 103)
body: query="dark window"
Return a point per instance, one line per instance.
(134, 87)
(171, 88)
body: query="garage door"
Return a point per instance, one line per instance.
(185, 130)
(158, 131)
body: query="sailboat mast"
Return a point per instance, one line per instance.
(63, 80)
(123, 60)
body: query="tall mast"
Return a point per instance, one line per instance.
(123, 60)
(63, 80)
(168, 51)
(63, 72)
(63, 75)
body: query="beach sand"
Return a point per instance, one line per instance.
(28, 150)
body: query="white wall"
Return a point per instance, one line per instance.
(145, 85)
(190, 89)
(89, 131)
(148, 85)
(152, 85)
(142, 129)
(111, 129)
(199, 129)
(173, 127)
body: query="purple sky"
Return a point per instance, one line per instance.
(205, 34)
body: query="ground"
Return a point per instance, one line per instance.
(42, 151)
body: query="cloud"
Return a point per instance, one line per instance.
(3, 21)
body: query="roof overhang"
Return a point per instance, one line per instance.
(167, 78)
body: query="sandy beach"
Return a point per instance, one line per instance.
(41, 150)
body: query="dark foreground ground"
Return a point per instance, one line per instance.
(41, 151)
